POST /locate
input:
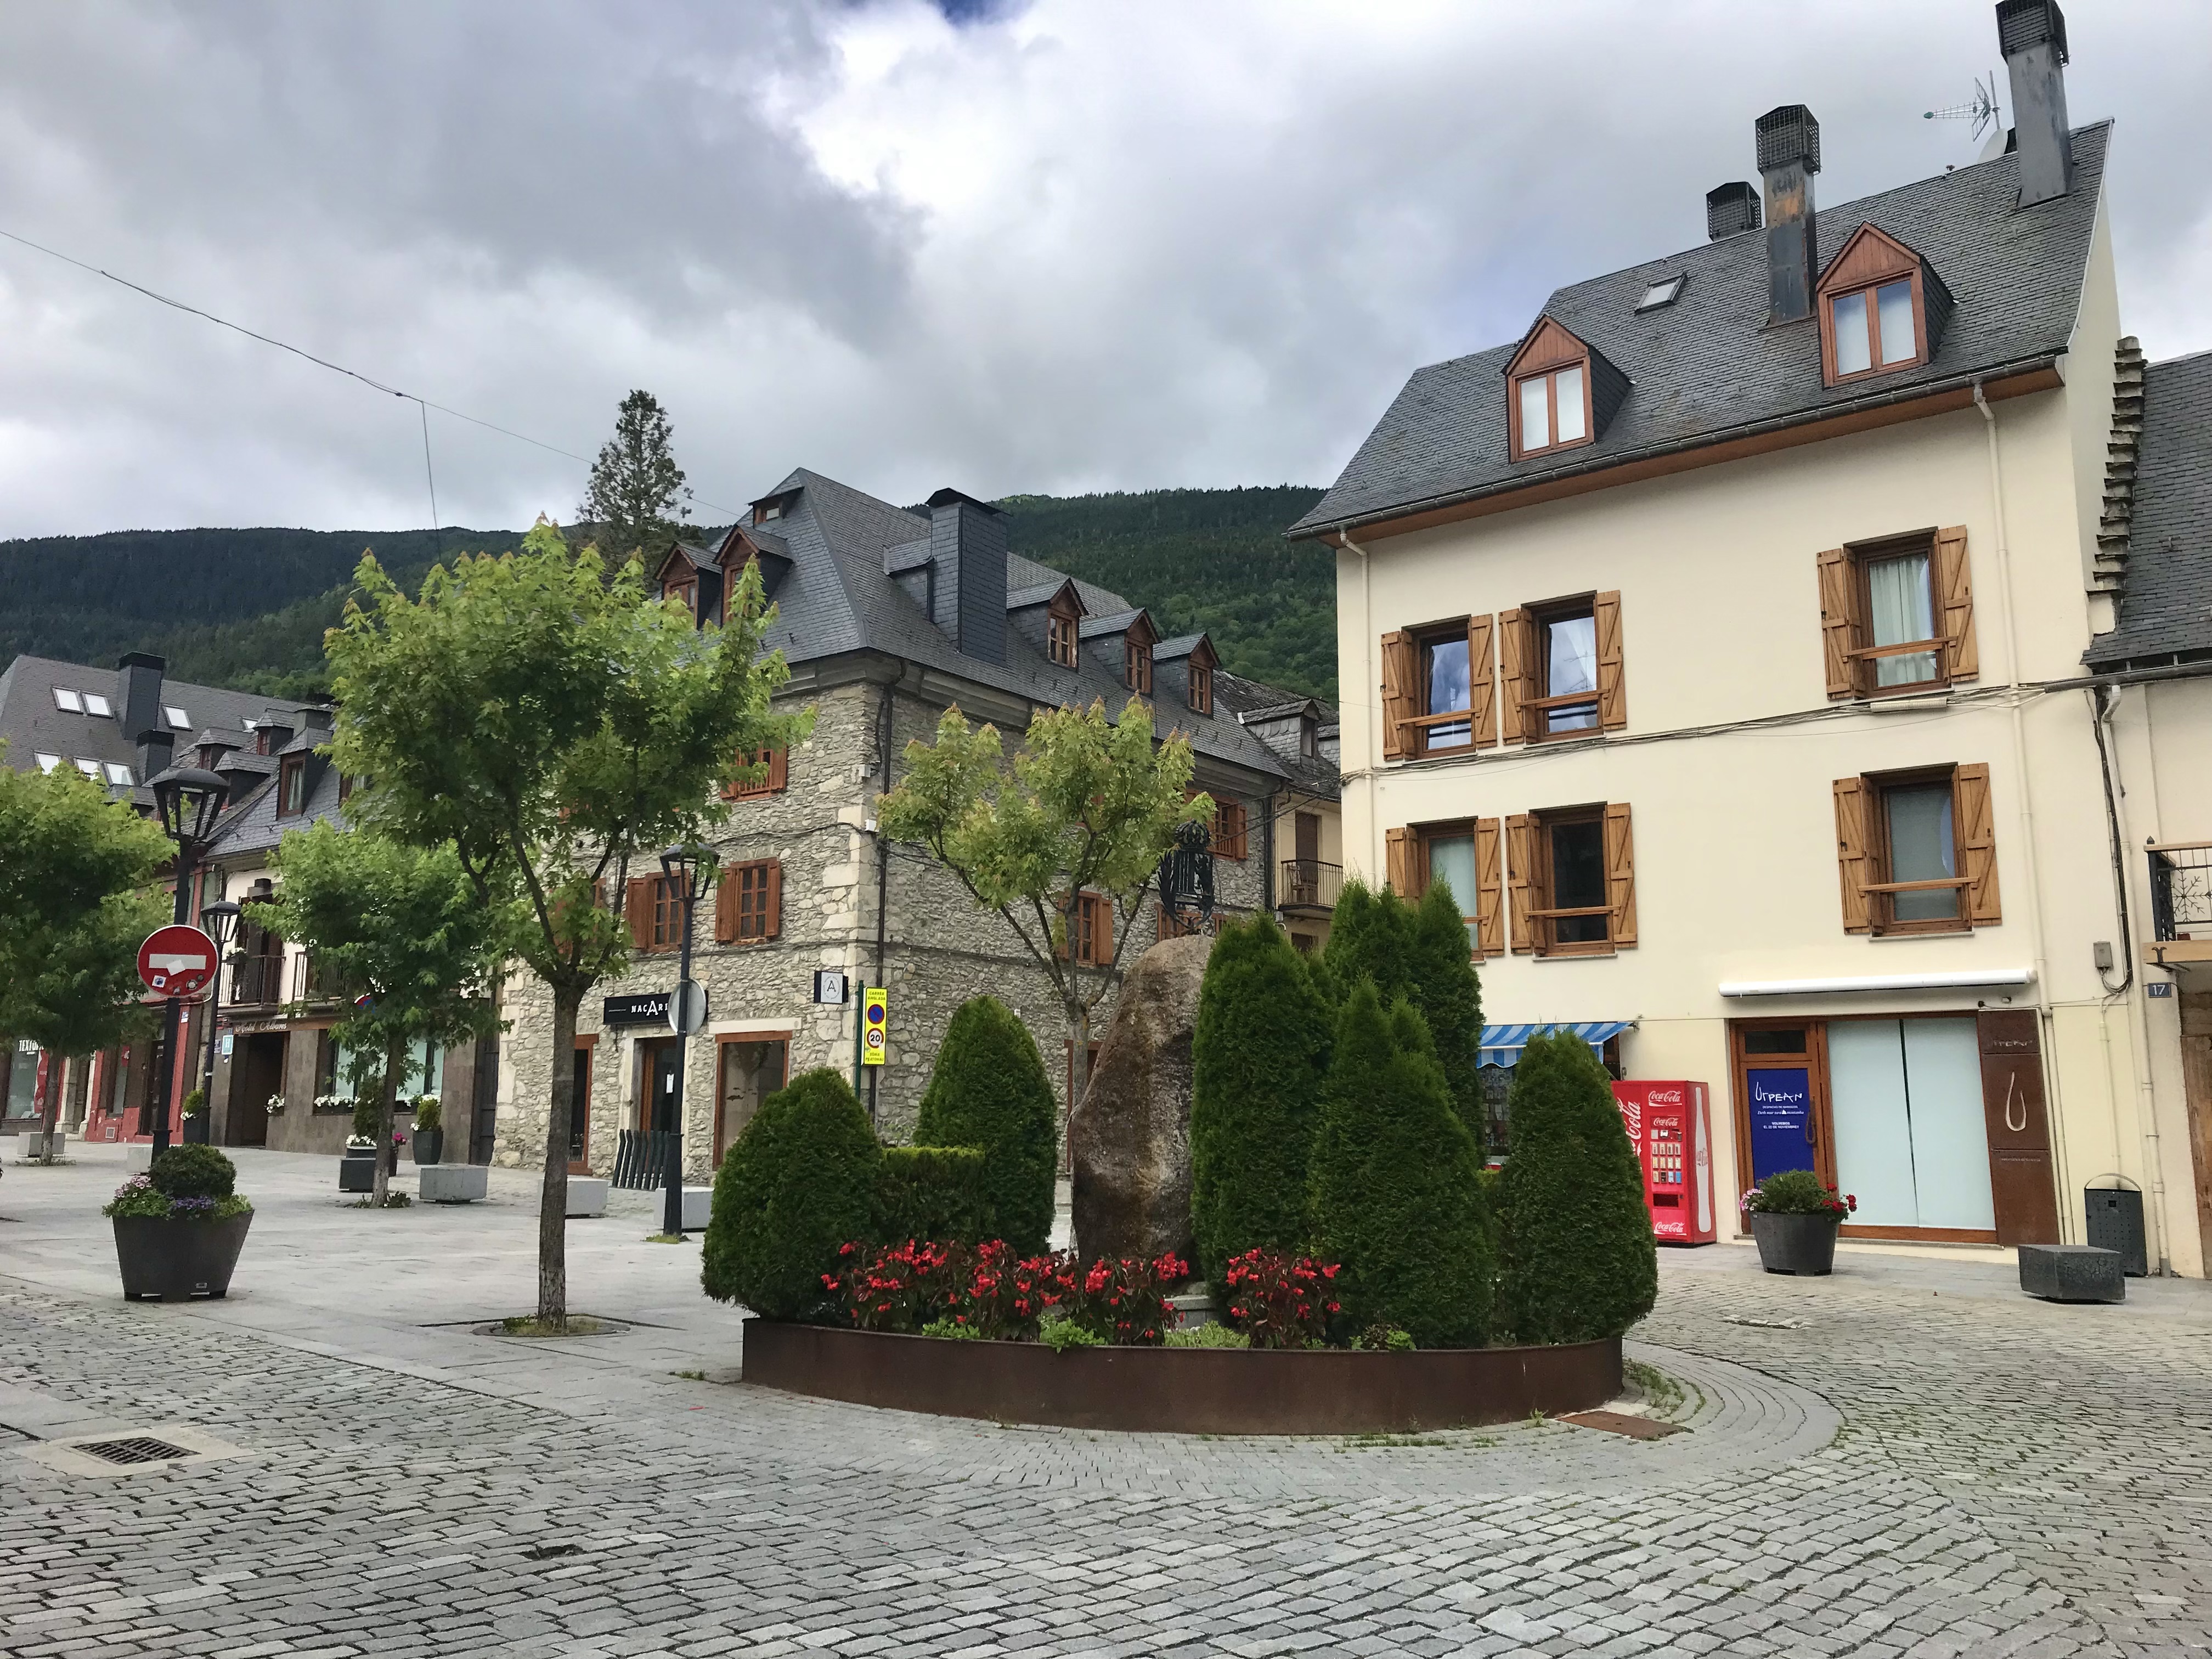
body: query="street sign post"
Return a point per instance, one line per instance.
(177, 961)
(687, 1009)
(875, 1018)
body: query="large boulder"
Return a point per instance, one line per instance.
(1130, 1135)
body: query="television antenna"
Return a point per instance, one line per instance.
(1982, 109)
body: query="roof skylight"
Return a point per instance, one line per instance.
(89, 768)
(1664, 292)
(68, 700)
(47, 763)
(178, 718)
(119, 775)
(96, 704)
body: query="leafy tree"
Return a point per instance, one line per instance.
(1397, 1180)
(1370, 935)
(800, 1182)
(403, 930)
(552, 727)
(636, 495)
(937, 1193)
(1090, 811)
(77, 899)
(1579, 1260)
(1449, 994)
(1259, 1057)
(988, 1090)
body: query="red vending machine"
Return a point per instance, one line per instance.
(1666, 1124)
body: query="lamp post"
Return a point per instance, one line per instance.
(189, 800)
(219, 921)
(689, 872)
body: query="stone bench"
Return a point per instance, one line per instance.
(453, 1183)
(32, 1148)
(588, 1195)
(2072, 1273)
(137, 1156)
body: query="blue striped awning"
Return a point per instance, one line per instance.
(1501, 1044)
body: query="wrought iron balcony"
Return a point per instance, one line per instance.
(256, 981)
(2181, 904)
(312, 982)
(1309, 884)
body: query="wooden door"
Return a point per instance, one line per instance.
(656, 1082)
(1781, 1087)
(2021, 1181)
(1306, 828)
(579, 1108)
(748, 1070)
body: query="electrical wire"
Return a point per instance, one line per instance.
(323, 363)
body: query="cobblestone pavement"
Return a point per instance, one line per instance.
(1903, 1459)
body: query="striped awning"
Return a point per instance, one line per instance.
(1501, 1044)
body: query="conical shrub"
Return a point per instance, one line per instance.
(1370, 936)
(1258, 1059)
(1579, 1260)
(1449, 992)
(1397, 1193)
(799, 1183)
(989, 1090)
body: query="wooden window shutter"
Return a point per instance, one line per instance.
(637, 909)
(1401, 678)
(1954, 605)
(1520, 862)
(726, 907)
(779, 767)
(1517, 654)
(1839, 622)
(1611, 691)
(1489, 888)
(1398, 861)
(772, 928)
(1851, 852)
(1101, 931)
(1482, 677)
(1620, 873)
(1978, 845)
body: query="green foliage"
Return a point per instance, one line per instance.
(989, 1090)
(1370, 936)
(1797, 1192)
(1385, 1338)
(365, 1114)
(1579, 1260)
(1211, 1335)
(1061, 1334)
(195, 1102)
(941, 1193)
(140, 1197)
(429, 1112)
(635, 496)
(799, 1183)
(1397, 1197)
(1449, 994)
(1258, 1058)
(952, 1330)
(76, 870)
(194, 1172)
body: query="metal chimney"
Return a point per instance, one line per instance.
(1789, 155)
(2031, 34)
(1731, 210)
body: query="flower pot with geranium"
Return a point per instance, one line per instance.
(1794, 1216)
(179, 1227)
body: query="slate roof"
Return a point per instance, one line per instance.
(838, 598)
(2165, 597)
(1709, 367)
(1242, 699)
(253, 827)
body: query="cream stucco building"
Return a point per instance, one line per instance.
(1739, 636)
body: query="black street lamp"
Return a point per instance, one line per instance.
(189, 801)
(689, 872)
(219, 921)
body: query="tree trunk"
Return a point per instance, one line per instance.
(55, 1072)
(1078, 1079)
(395, 1056)
(553, 1203)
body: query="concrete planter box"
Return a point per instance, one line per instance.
(588, 1195)
(177, 1261)
(2073, 1272)
(454, 1183)
(32, 1148)
(1800, 1244)
(357, 1171)
(1182, 1390)
(138, 1156)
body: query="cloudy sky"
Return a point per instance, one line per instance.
(1061, 245)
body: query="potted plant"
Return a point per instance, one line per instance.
(1794, 1217)
(429, 1129)
(275, 1106)
(357, 1167)
(196, 1118)
(179, 1227)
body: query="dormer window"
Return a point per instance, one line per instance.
(1137, 663)
(1061, 628)
(260, 741)
(292, 787)
(1880, 309)
(684, 593)
(1560, 392)
(1202, 687)
(1554, 413)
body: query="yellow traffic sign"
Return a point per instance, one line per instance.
(875, 1025)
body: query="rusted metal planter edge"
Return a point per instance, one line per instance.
(1182, 1390)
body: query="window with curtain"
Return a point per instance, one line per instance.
(1449, 688)
(1451, 859)
(1901, 611)
(1874, 329)
(1570, 645)
(1923, 845)
(1574, 849)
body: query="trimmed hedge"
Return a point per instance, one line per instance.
(1370, 936)
(800, 1181)
(1258, 1059)
(1398, 1195)
(938, 1193)
(1450, 996)
(193, 1171)
(1579, 1260)
(988, 1090)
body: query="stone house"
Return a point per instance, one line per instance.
(886, 618)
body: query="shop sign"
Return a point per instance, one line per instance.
(648, 1008)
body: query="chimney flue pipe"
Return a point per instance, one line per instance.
(2031, 34)
(1789, 155)
(1730, 210)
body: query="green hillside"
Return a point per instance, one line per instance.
(247, 608)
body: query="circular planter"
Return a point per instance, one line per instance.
(177, 1261)
(1182, 1390)
(429, 1145)
(1800, 1244)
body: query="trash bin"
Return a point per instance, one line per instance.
(2116, 1223)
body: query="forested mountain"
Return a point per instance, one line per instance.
(247, 608)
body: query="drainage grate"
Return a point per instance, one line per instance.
(139, 1449)
(550, 1551)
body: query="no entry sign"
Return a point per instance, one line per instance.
(177, 961)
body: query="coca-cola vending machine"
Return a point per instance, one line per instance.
(1666, 1124)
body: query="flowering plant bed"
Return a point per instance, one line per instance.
(1182, 1390)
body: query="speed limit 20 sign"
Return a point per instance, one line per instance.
(875, 1024)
